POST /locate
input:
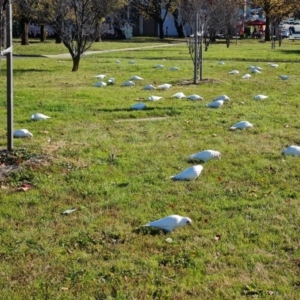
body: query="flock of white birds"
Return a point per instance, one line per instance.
(171, 222)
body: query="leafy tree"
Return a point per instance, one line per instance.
(274, 11)
(76, 22)
(156, 10)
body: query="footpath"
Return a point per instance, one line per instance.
(67, 55)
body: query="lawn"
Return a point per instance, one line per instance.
(114, 164)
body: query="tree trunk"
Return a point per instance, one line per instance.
(4, 37)
(178, 26)
(227, 42)
(25, 29)
(98, 32)
(267, 29)
(43, 33)
(161, 30)
(206, 43)
(76, 60)
(2, 22)
(58, 39)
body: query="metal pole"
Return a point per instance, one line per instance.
(201, 52)
(9, 76)
(196, 48)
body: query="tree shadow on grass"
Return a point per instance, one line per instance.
(28, 55)
(295, 51)
(22, 71)
(110, 110)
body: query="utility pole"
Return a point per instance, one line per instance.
(7, 6)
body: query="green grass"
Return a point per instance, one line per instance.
(114, 164)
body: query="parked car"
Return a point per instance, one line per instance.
(284, 33)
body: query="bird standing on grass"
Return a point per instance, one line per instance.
(222, 97)
(291, 150)
(241, 125)
(194, 97)
(170, 223)
(164, 86)
(284, 77)
(260, 97)
(39, 116)
(22, 133)
(215, 104)
(189, 173)
(205, 155)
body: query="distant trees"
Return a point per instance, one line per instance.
(223, 16)
(156, 10)
(76, 22)
(216, 16)
(274, 11)
(24, 11)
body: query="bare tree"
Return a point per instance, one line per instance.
(156, 10)
(217, 16)
(2, 21)
(205, 18)
(76, 22)
(224, 14)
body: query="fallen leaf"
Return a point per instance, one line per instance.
(64, 288)
(69, 251)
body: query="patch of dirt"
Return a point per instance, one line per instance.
(203, 81)
(14, 161)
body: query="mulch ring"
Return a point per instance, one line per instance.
(203, 81)
(15, 161)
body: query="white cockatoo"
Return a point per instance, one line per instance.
(215, 104)
(205, 155)
(241, 125)
(190, 173)
(39, 116)
(22, 133)
(170, 223)
(291, 150)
